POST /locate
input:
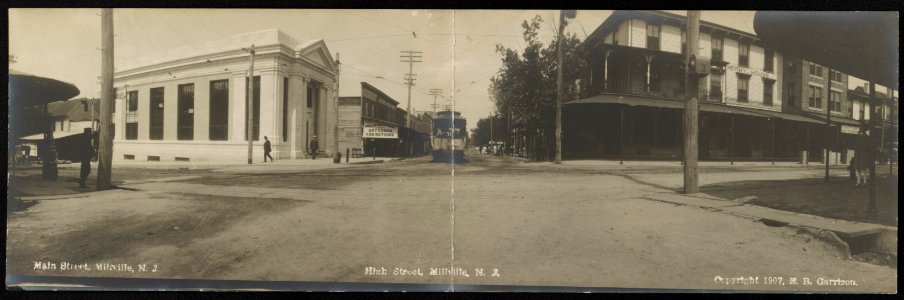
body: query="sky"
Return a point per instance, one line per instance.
(459, 55)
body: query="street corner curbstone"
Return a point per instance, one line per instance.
(835, 242)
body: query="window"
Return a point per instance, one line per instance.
(743, 82)
(835, 76)
(185, 119)
(792, 95)
(310, 97)
(835, 101)
(156, 128)
(767, 91)
(256, 110)
(715, 88)
(133, 101)
(769, 60)
(219, 110)
(850, 105)
(815, 97)
(653, 36)
(717, 48)
(285, 109)
(815, 70)
(743, 54)
(615, 36)
(862, 110)
(132, 115)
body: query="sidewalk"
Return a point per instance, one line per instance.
(629, 163)
(29, 185)
(214, 164)
(853, 236)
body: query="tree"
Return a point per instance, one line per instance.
(481, 134)
(524, 88)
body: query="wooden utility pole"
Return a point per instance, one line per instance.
(871, 149)
(828, 119)
(250, 113)
(560, 93)
(105, 147)
(410, 57)
(336, 111)
(690, 108)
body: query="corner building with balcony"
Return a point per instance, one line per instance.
(631, 98)
(189, 103)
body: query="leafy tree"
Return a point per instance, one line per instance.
(524, 88)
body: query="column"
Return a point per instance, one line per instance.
(649, 59)
(237, 91)
(606, 70)
(269, 116)
(202, 110)
(301, 116)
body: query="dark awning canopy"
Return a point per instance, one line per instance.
(30, 90)
(26, 96)
(860, 44)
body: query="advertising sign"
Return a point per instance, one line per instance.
(380, 132)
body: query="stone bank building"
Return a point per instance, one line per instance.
(189, 103)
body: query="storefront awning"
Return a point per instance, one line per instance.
(835, 120)
(40, 136)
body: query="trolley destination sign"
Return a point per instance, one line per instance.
(380, 132)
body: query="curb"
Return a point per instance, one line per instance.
(884, 236)
(366, 162)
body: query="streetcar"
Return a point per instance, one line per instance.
(449, 137)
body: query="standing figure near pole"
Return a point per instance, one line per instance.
(314, 147)
(86, 153)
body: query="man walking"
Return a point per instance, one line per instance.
(314, 147)
(267, 149)
(86, 153)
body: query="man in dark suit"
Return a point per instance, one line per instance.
(267, 150)
(314, 147)
(86, 153)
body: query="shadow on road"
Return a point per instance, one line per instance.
(836, 199)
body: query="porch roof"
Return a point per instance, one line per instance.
(821, 118)
(665, 103)
(788, 117)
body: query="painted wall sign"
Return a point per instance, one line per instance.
(380, 132)
(749, 71)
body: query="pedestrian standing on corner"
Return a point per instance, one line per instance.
(852, 170)
(27, 154)
(314, 147)
(87, 152)
(267, 149)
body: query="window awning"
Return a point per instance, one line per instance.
(56, 136)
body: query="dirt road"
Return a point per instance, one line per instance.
(520, 223)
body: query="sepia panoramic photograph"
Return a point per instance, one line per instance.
(441, 150)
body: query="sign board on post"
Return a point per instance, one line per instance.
(380, 132)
